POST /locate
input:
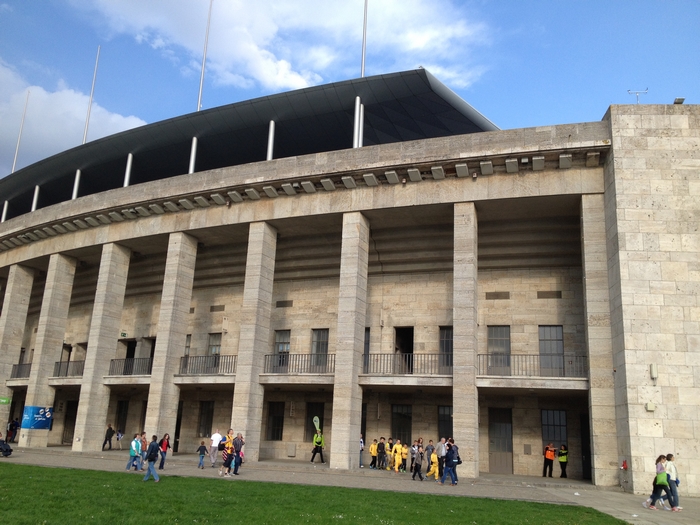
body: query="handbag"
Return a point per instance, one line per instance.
(662, 479)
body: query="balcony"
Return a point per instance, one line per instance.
(68, 368)
(131, 367)
(207, 365)
(545, 365)
(300, 364)
(407, 364)
(21, 371)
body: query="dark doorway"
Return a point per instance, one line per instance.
(402, 422)
(122, 413)
(585, 446)
(69, 422)
(313, 410)
(129, 361)
(403, 347)
(363, 424)
(500, 441)
(178, 424)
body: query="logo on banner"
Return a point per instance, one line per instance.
(37, 418)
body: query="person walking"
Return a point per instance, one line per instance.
(109, 434)
(318, 443)
(673, 481)
(661, 484)
(441, 450)
(362, 448)
(563, 459)
(202, 451)
(434, 468)
(214, 447)
(429, 453)
(135, 454)
(381, 454)
(152, 457)
(237, 453)
(396, 452)
(228, 456)
(457, 460)
(164, 445)
(144, 448)
(418, 463)
(449, 465)
(549, 452)
(373, 455)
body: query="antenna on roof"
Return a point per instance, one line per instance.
(92, 92)
(364, 42)
(638, 93)
(204, 58)
(19, 137)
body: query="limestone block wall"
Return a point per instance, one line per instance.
(191, 412)
(78, 324)
(140, 316)
(653, 235)
(524, 312)
(136, 412)
(204, 321)
(61, 399)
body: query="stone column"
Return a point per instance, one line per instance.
(601, 396)
(12, 322)
(50, 333)
(352, 310)
(164, 395)
(102, 342)
(254, 341)
(465, 397)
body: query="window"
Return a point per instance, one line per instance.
(319, 341)
(313, 410)
(551, 351)
(446, 347)
(206, 418)
(275, 420)
(366, 351)
(498, 349)
(188, 343)
(554, 427)
(282, 338)
(401, 422)
(444, 422)
(215, 344)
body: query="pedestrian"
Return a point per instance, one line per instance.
(429, 453)
(238, 444)
(373, 454)
(673, 480)
(120, 436)
(448, 465)
(563, 459)
(381, 454)
(362, 448)
(164, 445)
(225, 469)
(661, 484)
(441, 450)
(318, 443)
(135, 454)
(390, 454)
(15, 430)
(418, 463)
(214, 447)
(405, 451)
(414, 449)
(109, 434)
(396, 452)
(434, 467)
(202, 451)
(457, 460)
(152, 457)
(548, 454)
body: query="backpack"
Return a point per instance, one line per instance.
(222, 445)
(5, 449)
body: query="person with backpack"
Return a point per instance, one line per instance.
(214, 447)
(109, 434)
(152, 457)
(228, 456)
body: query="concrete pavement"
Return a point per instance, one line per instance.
(611, 501)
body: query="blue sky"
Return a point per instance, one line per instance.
(521, 63)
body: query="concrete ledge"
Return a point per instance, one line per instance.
(537, 383)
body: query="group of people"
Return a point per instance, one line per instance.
(441, 459)
(12, 431)
(142, 452)
(231, 449)
(666, 480)
(550, 452)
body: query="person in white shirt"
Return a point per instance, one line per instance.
(214, 447)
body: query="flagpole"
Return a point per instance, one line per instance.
(92, 92)
(204, 58)
(19, 137)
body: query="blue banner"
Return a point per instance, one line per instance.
(37, 418)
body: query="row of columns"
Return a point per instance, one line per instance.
(255, 333)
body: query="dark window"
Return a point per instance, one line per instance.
(366, 352)
(444, 422)
(282, 338)
(275, 420)
(446, 346)
(551, 351)
(319, 341)
(206, 418)
(122, 414)
(499, 340)
(554, 427)
(215, 344)
(313, 410)
(363, 424)
(401, 422)
(188, 343)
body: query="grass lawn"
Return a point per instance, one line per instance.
(30, 494)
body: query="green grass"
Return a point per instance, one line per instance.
(30, 494)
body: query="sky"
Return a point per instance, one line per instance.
(521, 63)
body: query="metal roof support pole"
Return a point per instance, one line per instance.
(356, 124)
(271, 140)
(4, 211)
(127, 171)
(76, 185)
(193, 154)
(35, 200)
(361, 130)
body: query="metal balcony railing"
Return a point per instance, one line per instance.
(407, 364)
(131, 367)
(544, 365)
(207, 365)
(68, 369)
(20, 371)
(300, 364)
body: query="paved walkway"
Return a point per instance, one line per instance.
(555, 490)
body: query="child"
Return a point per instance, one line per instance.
(373, 454)
(396, 453)
(418, 463)
(202, 451)
(390, 454)
(404, 457)
(381, 454)
(434, 470)
(414, 450)
(120, 435)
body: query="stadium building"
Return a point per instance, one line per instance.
(247, 267)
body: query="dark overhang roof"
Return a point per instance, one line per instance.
(403, 106)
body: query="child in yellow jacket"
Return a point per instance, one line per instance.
(404, 457)
(373, 454)
(396, 452)
(433, 467)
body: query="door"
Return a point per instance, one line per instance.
(500, 441)
(129, 361)
(403, 345)
(122, 414)
(178, 424)
(585, 446)
(69, 422)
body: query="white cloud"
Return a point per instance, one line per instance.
(289, 44)
(54, 122)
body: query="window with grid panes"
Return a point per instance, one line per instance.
(551, 350)
(446, 346)
(554, 427)
(214, 345)
(498, 349)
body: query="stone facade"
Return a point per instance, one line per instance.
(171, 322)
